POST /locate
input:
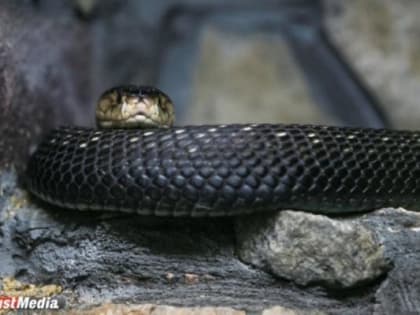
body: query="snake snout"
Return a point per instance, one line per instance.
(134, 107)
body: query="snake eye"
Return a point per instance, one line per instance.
(162, 105)
(118, 97)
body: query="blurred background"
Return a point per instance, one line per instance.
(338, 62)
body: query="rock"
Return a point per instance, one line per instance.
(388, 238)
(12, 287)
(312, 249)
(400, 292)
(379, 38)
(249, 78)
(150, 309)
(41, 85)
(96, 258)
(279, 310)
(399, 231)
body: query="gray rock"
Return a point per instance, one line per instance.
(153, 309)
(399, 231)
(400, 292)
(279, 310)
(387, 239)
(41, 85)
(312, 249)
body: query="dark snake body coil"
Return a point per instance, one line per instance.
(227, 169)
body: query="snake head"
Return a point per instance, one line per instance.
(133, 106)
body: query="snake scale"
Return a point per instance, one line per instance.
(221, 170)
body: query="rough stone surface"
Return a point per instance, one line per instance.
(396, 230)
(132, 259)
(150, 309)
(308, 248)
(400, 292)
(41, 85)
(380, 39)
(279, 310)
(399, 231)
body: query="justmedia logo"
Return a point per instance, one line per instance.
(29, 303)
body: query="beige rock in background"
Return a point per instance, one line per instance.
(380, 39)
(249, 78)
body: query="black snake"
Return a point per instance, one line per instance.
(223, 169)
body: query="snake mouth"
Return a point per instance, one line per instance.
(140, 119)
(140, 112)
(144, 120)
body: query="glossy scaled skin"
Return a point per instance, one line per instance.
(227, 169)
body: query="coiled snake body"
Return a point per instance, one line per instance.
(227, 169)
